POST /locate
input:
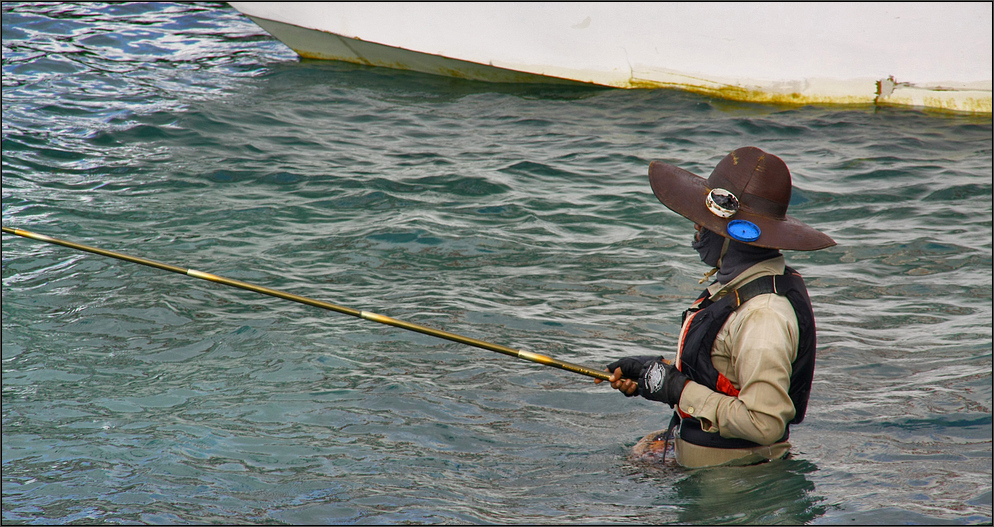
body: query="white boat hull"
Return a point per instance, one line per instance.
(934, 56)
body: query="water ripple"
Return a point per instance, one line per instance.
(514, 214)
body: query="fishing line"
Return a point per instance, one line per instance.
(366, 315)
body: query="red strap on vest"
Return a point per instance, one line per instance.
(683, 333)
(725, 386)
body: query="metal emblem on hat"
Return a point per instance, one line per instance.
(722, 203)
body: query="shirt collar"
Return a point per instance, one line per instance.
(773, 266)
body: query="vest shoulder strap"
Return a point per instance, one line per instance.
(776, 284)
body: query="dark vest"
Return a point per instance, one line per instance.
(698, 339)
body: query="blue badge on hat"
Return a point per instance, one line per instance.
(743, 230)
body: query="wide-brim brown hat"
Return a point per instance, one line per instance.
(744, 199)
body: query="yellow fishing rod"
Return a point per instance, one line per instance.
(521, 354)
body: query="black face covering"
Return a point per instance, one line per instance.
(708, 245)
(737, 258)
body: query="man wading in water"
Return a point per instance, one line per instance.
(746, 354)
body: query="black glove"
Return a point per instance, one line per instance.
(631, 367)
(662, 382)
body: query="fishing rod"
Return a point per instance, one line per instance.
(521, 354)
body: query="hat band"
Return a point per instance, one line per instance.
(763, 206)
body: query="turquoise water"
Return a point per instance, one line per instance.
(519, 215)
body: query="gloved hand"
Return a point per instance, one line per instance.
(631, 368)
(662, 382)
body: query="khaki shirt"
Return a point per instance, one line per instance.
(754, 349)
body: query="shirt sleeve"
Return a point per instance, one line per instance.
(763, 344)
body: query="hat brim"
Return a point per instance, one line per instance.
(686, 193)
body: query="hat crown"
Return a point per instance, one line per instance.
(760, 181)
